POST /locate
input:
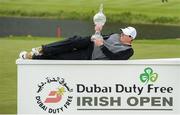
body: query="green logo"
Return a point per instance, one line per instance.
(148, 76)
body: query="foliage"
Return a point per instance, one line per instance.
(139, 11)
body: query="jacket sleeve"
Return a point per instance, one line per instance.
(121, 55)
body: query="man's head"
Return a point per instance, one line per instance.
(128, 34)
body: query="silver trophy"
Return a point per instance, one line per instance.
(99, 19)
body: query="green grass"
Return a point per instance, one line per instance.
(150, 49)
(127, 11)
(10, 48)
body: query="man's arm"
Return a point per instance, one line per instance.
(121, 55)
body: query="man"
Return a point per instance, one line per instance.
(111, 47)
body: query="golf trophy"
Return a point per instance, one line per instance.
(99, 20)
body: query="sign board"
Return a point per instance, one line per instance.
(99, 87)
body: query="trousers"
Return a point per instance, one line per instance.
(74, 48)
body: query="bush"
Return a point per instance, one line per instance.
(164, 20)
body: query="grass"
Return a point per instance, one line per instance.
(150, 49)
(126, 11)
(11, 46)
(9, 50)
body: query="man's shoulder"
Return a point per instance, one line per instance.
(110, 35)
(114, 35)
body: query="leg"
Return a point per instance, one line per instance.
(66, 45)
(82, 54)
(57, 50)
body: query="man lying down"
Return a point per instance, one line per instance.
(111, 47)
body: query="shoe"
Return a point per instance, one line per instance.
(25, 55)
(22, 55)
(37, 51)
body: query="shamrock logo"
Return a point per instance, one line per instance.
(148, 76)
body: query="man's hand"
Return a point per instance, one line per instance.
(98, 42)
(98, 28)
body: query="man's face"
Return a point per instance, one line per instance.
(125, 38)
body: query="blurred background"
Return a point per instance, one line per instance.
(152, 18)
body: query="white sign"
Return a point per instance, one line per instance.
(99, 87)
